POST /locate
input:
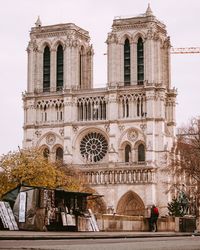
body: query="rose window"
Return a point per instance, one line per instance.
(93, 147)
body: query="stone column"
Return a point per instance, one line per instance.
(133, 63)
(39, 70)
(114, 59)
(53, 70)
(67, 146)
(67, 66)
(113, 107)
(150, 133)
(158, 62)
(149, 57)
(74, 66)
(31, 71)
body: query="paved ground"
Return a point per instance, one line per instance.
(26, 235)
(145, 243)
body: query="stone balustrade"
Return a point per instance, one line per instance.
(121, 173)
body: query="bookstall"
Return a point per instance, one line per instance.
(39, 208)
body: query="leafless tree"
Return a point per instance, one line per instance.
(185, 162)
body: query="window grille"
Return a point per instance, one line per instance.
(141, 153)
(59, 71)
(46, 69)
(127, 63)
(93, 147)
(140, 61)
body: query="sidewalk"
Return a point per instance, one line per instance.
(31, 235)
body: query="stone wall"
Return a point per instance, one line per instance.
(109, 222)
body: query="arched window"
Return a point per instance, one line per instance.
(104, 110)
(81, 112)
(141, 153)
(59, 154)
(46, 153)
(138, 107)
(59, 68)
(140, 61)
(127, 63)
(127, 153)
(46, 69)
(127, 108)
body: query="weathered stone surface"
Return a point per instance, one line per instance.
(129, 118)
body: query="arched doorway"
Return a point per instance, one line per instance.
(130, 204)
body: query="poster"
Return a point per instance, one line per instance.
(7, 216)
(22, 206)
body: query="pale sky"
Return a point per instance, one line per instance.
(181, 17)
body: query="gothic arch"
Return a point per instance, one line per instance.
(44, 149)
(137, 35)
(84, 131)
(140, 149)
(42, 141)
(58, 42)
(125, 36)
(138, 142)
(124, 143)
(123, 155)
(126, 131)
(130, 204)
(43, 44)
(57, 155)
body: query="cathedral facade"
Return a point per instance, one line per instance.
(120, 135)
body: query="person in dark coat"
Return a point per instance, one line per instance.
(154, 219)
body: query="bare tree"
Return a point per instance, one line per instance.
(185, 162)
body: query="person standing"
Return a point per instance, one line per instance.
(154, 219)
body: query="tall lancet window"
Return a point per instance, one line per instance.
(127, 63)
(59, 154)
(46, 69)
(141, 153)
(81, 67)
(59, 68)
(127, 153)
(140, 61)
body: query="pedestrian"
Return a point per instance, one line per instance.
(153, 219)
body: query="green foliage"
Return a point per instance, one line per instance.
(174, 208)
(30, 167)
(178, 207)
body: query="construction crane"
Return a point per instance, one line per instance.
(189, 50)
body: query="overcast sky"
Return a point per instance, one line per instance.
(181, 17)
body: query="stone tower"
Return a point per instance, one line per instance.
(120, 135)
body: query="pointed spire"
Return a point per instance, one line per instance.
(149, 12)
(38, 23)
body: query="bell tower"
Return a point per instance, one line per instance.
(138, 51)
(59, 57)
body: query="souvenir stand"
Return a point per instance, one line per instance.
(39, 208)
